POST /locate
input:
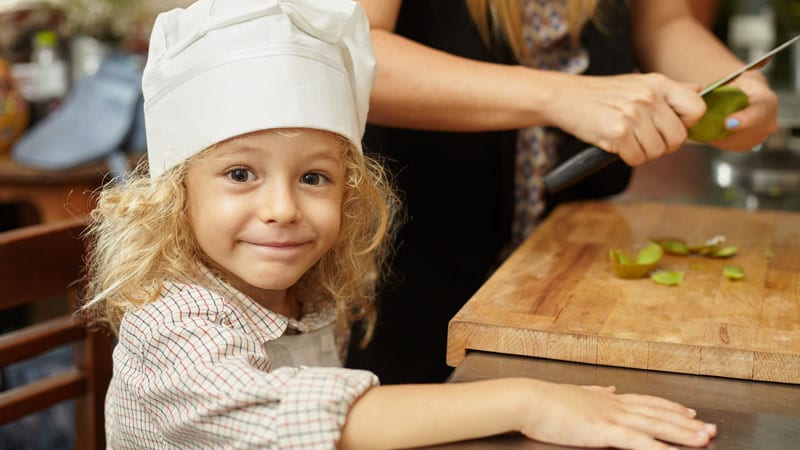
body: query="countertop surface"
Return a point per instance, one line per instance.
(699, 174)
(749, 414)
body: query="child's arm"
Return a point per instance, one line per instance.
(414, 415)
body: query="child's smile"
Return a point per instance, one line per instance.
(266, 207)
(281, 250)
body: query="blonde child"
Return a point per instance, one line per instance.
(232, 265)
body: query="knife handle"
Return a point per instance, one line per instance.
(575, 169)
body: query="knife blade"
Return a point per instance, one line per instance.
(757, 63)
(593, 159)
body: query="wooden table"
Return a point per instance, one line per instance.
(55, 195)
(556, 311)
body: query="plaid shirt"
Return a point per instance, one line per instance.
(190, 371)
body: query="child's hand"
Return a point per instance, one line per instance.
(598, 417)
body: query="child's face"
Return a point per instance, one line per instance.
(266, 207)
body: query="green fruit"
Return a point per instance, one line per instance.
(667, 278)
(673, 245)
(733, 272)
(650, 254)
(720, 103)
(646, 260)
(725, 252)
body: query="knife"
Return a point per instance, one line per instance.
(592, 159)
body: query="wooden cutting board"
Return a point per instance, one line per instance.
(557, 296)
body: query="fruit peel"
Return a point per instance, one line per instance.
(646, 260)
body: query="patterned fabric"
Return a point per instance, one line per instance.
(190, 371)
(550, 47)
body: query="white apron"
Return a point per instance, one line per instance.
(316, 348)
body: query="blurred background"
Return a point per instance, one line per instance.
(48, 48)
(769, 176)
(71, 109)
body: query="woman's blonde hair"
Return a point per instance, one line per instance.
(501, 21)
(139, 236)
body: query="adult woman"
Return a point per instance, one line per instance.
(457, 78)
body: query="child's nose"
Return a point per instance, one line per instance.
(278, 204)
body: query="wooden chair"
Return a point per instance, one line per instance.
(44, 262)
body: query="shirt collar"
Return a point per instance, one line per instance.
(264, 320)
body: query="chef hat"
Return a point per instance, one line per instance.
(222, 68)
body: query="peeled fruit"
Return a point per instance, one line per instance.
(720, 103)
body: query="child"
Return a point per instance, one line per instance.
(231, 267)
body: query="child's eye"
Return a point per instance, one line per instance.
(313, 178)
(240, 175)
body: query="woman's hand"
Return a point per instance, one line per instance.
(640, 117)
(598, 417)
(752, 125)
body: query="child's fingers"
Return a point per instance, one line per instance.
(676, 417)
(677, 428)
(626, 437)
(665, 420)
(608, 389)
(651, 400)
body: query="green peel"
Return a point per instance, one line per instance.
(733, 272)
(668, 278)
(646, 261)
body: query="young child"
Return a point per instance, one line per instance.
(232, 265)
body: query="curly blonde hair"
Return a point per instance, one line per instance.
(139, 236)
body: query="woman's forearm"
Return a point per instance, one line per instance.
(668, 40)
(424, 88)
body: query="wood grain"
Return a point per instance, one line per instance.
(557, 297)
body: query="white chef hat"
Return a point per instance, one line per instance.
(222, 68)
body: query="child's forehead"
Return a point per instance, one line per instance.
(318, 143)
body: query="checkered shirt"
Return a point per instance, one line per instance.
(190, 372)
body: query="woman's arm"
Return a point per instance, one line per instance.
(424, 88)
(668, 40)
(639, 117)
(705, 11)
(404, 416)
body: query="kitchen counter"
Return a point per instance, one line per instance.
(690, 176)
(750, 415)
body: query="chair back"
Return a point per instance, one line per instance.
(44, 263)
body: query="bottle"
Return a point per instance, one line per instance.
(44, 79)
(51, 71)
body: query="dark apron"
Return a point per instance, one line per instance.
(458, 193)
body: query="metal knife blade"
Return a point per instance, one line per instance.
(755, 64)
(592, 159)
